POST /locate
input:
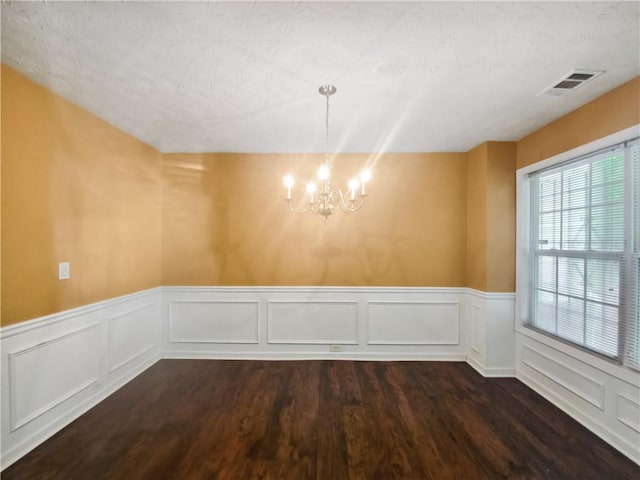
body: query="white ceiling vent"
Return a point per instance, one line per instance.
(569, 82)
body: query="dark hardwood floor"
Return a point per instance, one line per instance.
(198, 419)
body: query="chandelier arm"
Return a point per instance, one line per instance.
(294, 210)
(316, 210)
(342, 203)
(356, 208)
(346, 208)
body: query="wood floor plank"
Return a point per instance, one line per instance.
(328, 420)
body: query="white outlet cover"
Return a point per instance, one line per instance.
(64, 271)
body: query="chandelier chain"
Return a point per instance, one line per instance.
(327, 128)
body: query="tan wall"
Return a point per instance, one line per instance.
(477, 218)
(501, 216)
(607, 114)
(491, 198)
(74, 188)
(224, 223)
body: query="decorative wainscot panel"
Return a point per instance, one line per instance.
(414, 323)
(315, 322)
(601, 395)
(492, 332)
(56, 367)
(213, 321)
(312, 322)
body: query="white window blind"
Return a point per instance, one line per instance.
(585, 224)
(631, 285)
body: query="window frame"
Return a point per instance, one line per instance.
(525, 257)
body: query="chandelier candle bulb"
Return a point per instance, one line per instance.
(353, 185)
(288, 182)
(365, 176)
(311, 189)
(323, 173)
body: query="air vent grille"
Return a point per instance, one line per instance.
(567, 84)
(570, 82)
(581, 76)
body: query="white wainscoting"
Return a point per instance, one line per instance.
(57, 367)
(132, 333)
(601, 395)
(213, 321)
(312, 322)
(43, 376)
(492, 332)
(306, 322)
(414, 323)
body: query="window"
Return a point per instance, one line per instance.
(584, 251)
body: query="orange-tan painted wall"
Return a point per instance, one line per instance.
(74, 188)
(501, 217)
(477, 218)
(491, 201)
(223, 227)
(607, 114)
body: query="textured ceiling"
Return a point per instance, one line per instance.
(243, 77)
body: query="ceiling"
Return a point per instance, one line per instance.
(244, 76)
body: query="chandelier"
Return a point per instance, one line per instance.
(323, 198)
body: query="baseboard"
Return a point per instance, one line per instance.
(494, 372)
(357, 356)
